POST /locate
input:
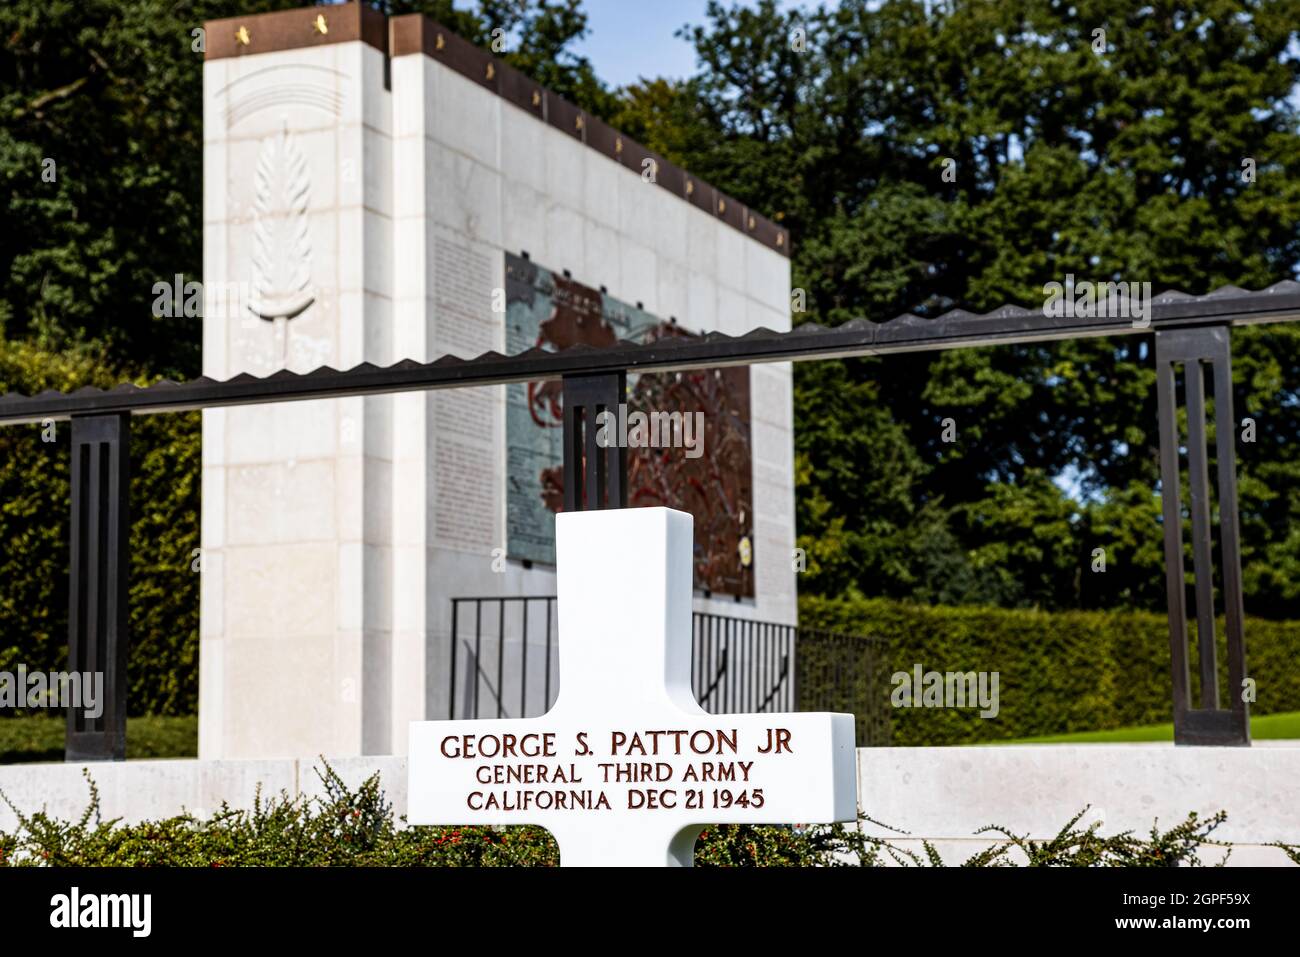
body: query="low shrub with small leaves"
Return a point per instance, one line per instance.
(840, 845)
(340, 827)
(345, 827)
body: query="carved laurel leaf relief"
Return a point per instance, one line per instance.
(281, 242)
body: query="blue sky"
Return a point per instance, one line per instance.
(631, 38)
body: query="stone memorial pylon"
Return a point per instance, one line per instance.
(298, 250)
(366, 180)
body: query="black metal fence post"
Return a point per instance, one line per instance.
(97, 593)
(1194, 349)
(594, 477)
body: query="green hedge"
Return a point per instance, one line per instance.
(34, 508)
(1058, 672)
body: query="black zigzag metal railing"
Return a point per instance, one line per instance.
(906, 333)
(504, 660)
(595, 377)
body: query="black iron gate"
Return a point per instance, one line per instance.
(504, 660)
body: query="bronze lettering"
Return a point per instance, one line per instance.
(538, 800)
(708, 742)
(531, 745)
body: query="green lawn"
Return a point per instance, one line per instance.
(1262, 728)
(40, 738)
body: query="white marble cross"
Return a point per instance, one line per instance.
(627, 768)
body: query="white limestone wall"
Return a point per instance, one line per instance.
(336, 533)
(481, 178)
(295, 620)
(943, 795)
(946, 795)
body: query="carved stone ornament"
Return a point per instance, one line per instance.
(281, 241)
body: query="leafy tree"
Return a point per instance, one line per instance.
(932, 155)
(101, 155)
(924, 156)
